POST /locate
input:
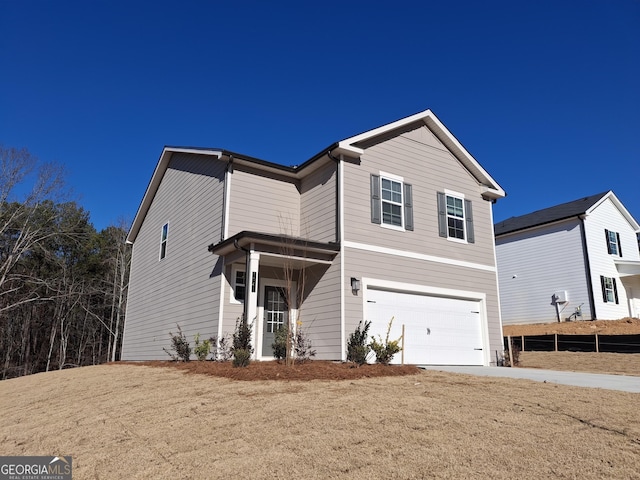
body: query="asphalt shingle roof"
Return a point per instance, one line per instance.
(547, 215)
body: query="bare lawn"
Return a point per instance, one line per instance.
(162, 422)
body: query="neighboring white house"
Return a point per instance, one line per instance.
(578, 261)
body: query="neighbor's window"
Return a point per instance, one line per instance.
(609, 289)
(613, 242)
(240, 285)
(163, 241)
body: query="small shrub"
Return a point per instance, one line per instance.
(302, 345)
(180, 348)
(242, 348)
(241, 357)
(279, 344)
(385, 350)
(357, 347)
(221, 349)
(201, 349)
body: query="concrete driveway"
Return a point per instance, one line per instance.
(624, 383)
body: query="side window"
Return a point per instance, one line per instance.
(391, 201)
(609, 289)
(239, 286)
(613, 242)
(163, 240)
(455, 217)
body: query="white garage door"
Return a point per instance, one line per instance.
(438, 330)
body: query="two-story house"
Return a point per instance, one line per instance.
(394, 223)
(574, 261)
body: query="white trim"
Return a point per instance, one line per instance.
(400, 180)
(221, 302)
(418, 256)
(453, 193)
(235, 268)
(165, 241)
(495, 262)
(458, 195)
(227, 202)
(391, 176)
(343, 326)
(401, 287)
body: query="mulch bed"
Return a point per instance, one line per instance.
(311, 370)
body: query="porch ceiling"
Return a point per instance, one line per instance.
(628, 268)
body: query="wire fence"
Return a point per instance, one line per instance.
(575, 343)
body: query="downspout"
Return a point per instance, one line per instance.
(587, 266)
(337, 160)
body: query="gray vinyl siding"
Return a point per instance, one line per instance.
(429, 169)
(320, 311)
(381, 266)
(184, 287)
(318, 205)
(263, 204)
(535, 264)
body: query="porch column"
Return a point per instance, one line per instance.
(251, 307)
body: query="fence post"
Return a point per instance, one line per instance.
(597, 344)
(555, 336)
(402, 354)
(522, 343)
(511, 362)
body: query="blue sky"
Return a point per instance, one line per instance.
(544, 94)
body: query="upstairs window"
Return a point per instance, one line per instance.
(455, 217)
(613, 243)
(609, 289)
(391, 201)
(163, 240)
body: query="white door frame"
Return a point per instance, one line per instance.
(259, 326)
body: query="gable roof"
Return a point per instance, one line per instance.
(575, 208)
(349, 148)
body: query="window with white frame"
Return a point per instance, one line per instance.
(239, 285)
(391, 201)
(609, 289)
(163, 240)
(613, 242)
(455, 217)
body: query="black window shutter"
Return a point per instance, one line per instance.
(376, 207)
(408, 207)
(442, 215)
(606, 234)
(468, 216)
(604, 289)
(615, 290)
(619, 245)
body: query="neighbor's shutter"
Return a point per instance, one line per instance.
(408, 207)
(615, 289)
(619, 245)
(442, 215)
(376, 207)
(604, 289)
(468, 215)
(606, 234)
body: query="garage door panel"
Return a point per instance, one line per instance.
(438, 330)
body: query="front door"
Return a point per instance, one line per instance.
(276, 313)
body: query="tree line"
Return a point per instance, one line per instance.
(63, 284)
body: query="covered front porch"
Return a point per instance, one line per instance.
(629, 273)
(270, 277)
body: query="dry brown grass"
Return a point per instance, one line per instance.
(611, 363)
(138, 422)
(624, 326)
